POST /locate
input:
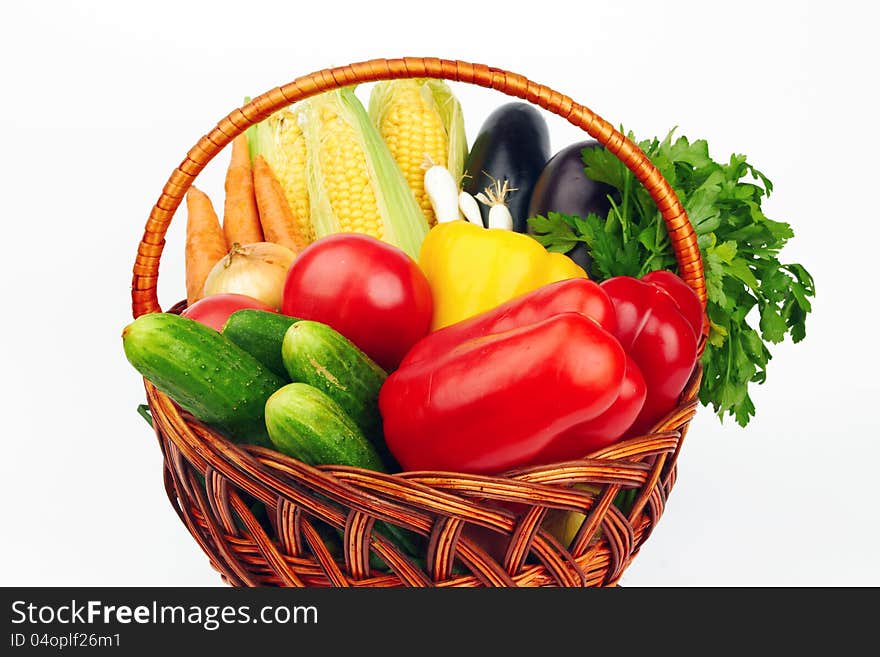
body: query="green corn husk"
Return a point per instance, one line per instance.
(354, 184)
(279, 139)
(422, 123)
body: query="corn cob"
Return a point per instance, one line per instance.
(421, 122)
(279, 139)
(354, 184)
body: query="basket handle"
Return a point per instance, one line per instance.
(681, 233)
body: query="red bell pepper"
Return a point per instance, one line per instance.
(688, 302)
(660, 338)
(577, 295)
(604, 430)
(495, 402)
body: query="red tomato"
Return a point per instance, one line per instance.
(370, 291)
(215, 309)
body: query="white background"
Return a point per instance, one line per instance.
(101, 100)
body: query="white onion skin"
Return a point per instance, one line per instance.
(257, 270)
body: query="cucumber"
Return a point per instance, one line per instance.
(260, 332)
(316, 354)
(205, 373)
(311, 427)
(308, 425)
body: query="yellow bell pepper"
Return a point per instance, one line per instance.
(473, 269)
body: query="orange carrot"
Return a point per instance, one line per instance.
(279, 224)
(241, 222)
(205, 242)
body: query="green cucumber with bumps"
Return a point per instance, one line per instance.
(208, 375)
(310, 426)
(260, 333)
(316, 354)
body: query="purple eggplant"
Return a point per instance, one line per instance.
(563, 187)
(514, 145)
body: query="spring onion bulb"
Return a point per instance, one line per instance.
(495, 196)
(442, 191)
(469, 208)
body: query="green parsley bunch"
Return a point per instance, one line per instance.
(745, 280)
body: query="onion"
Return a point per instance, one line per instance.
(257, 270)
(495, 196)
(442, 192)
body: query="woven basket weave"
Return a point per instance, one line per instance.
(262, 517)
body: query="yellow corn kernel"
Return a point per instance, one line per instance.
(289, 165)
(421, 122)
(414, 132)
(354, 183)
(343, 170)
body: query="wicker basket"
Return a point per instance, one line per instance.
(262, 518)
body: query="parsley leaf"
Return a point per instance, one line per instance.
(753, 298)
